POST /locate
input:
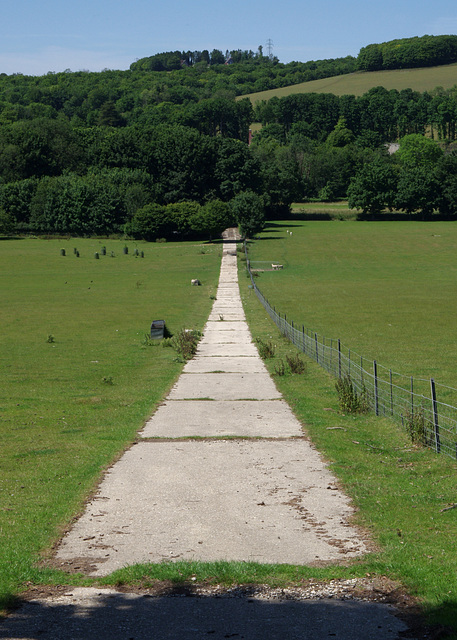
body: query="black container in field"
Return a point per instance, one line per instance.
(157, 329)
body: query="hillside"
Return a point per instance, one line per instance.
(358, 83)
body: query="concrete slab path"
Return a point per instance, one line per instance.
(263, 494)
(269, 499)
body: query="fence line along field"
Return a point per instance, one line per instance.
(78, 378)
(386, 289)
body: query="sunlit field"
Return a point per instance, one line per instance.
(77, 380)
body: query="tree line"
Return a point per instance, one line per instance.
(102, 158)
(408, 53)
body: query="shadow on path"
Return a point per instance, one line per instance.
(85, 613)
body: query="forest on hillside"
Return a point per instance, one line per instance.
(166, 154)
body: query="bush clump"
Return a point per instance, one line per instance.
(350, 400)
(266, 349)
(185, 342)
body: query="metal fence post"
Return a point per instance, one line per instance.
(412, 396)
(376, 397)
(435, 417)
(339, 358)
(317, 348)
(391, 393)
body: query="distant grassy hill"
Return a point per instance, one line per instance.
(359, 83)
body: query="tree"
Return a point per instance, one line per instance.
(417, 151)
(6, 223)
(341, 135)
(109, 116)
(418, 190)
(180, 215)
(150, 223)
(236, 169)
(212, 219)
(374, 186)
(446, 176)
(249, 212)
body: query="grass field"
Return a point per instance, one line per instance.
(324, 210)
(70, 406)
(357, 84)
(76, 380)
(387, 290)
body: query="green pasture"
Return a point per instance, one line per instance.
(387, 290)
(71, 405)
(324, 210)
(358, 83)
(77, 382)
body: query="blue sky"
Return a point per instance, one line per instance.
(55, 35)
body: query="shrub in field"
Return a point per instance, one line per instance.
(350, 401)
(296, 364)
(415, 426)
(266, 349)
(185, 342)
(280, 369)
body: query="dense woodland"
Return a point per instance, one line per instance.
(161, 150)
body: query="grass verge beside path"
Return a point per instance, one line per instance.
(402, 492)
(77, 379)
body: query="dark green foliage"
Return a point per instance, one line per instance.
(6, 223)
(249, 211)
(212, 218)
(85, 153)
(418, 190)
(406, 53)
(374, 186)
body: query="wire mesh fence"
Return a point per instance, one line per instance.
(411, 401)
